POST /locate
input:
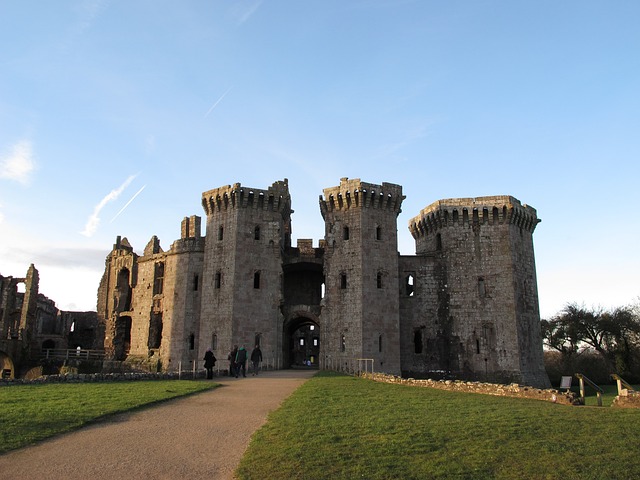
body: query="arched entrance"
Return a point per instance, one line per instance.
(7, 369)
(302, 343)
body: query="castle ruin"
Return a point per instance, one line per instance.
(465, 305)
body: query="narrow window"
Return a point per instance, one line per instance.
(316, 340)
(409, 287)
(477, 346)
(220, 232)
(218, 279)
(379, 343)
(195, 282)
(438, 242)
(379, 280)
(322, 290)
(343, 281)
(345, 233)
(301, 341)
(256, 233)
(481, 288)
(496, 216)
(214, 342)
(465, 215)
(256, 280)
(417, 341)
(192, 342)
(158, 283)
(378, 233)
(257, 339)
(343, 344)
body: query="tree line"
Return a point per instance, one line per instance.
(596, 342)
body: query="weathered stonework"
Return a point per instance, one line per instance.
(464, 306)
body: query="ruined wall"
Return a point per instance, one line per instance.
(360, 318)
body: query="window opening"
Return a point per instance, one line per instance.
(343, 281)
(378, 233)
(257, 339)
(438, 242)
(477, 346)
(345, 233)
(379, 343)
(192, 342)
(214, 342)
(256, 233)
(481, 288)
(301, 341)
(256, 280)
(409, 285)
(218, 280)
(343, 344)
(417, 341)
(315, 341)
(379, 280)
(195, 282)
(220, 232)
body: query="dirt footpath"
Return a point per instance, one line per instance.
(199, 437)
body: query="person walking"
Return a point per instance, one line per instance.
(256, 358)
(241, 361)
(209, 363)
(232, 361)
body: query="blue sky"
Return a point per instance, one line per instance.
(116, 115)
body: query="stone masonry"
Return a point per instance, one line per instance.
(465, 306)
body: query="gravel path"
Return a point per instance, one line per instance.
(199, 437)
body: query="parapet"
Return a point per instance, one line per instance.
(356, 194)
(275, 198)
(191, 227)
(495, 210)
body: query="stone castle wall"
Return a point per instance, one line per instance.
(465, 305)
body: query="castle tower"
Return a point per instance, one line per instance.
(247, 230)
(360, 317)
(488, 319)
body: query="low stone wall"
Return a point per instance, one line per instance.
(627, 399)
(100, 377)
(512, 390)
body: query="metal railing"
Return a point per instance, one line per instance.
(584, 380)
(71, 354)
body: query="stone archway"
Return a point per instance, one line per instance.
(7, 369)
(301, 343)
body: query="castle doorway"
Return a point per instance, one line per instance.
(302, 343)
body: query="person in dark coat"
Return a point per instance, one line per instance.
(232, 361)
(256, 358)
(209, 363)
(241, 361)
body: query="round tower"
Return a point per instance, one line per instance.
(488, 312)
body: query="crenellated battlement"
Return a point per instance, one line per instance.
(494, 210)
(275, 198)
(356, 194)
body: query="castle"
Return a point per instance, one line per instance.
(465, 306)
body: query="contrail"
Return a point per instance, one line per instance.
(217, 102)
(127, 204)
(94, 219)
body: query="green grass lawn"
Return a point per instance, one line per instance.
(340, 427)
(29, 413)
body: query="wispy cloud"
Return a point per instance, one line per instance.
(217, 102)
(19, 164)
(127, 204)
(244, 10)
(94, 219)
